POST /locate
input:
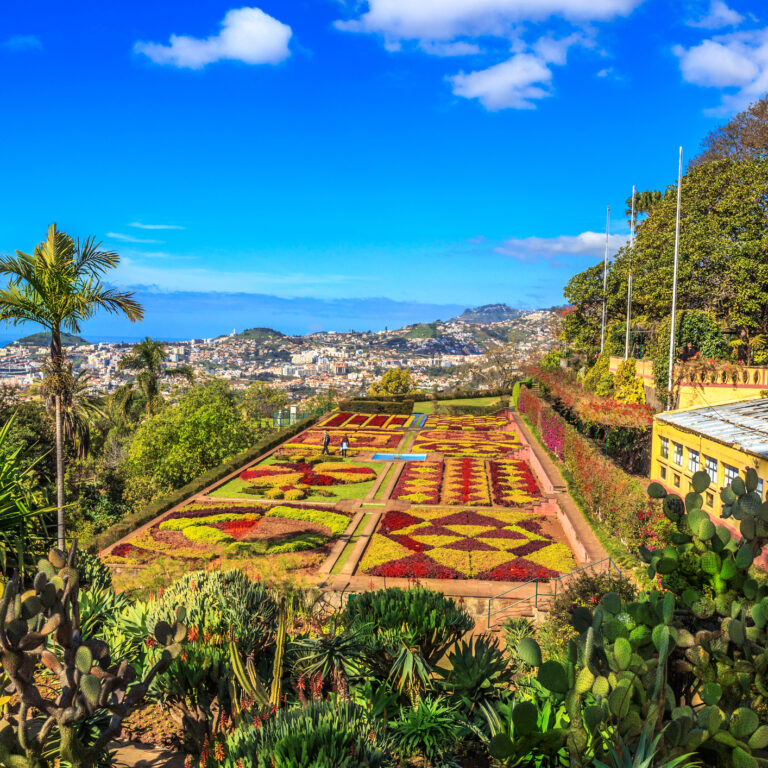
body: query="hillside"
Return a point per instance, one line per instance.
(423, 331)
(260, 334)
(43, 339)
(488, 313)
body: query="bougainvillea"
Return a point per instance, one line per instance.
(464, 544)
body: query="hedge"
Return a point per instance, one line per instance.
(615, 500)
(162, 504)
(473, 410)
(377, 406)
(422, 397)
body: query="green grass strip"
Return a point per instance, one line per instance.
(345, 553)
(383, 486)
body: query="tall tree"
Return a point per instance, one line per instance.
(147, 358)
(743, 137)
(59, 286)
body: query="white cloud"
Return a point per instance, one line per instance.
(737, 61)
(129, 238)
(718, 16)
(448, 19)
(590, 244)
(440, 48)
(605, 72)
(139, 225)
(22, 43)
(514, 83)
(464, 27)
(247, 34)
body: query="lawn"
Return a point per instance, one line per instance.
(234, 489)
(428, 406)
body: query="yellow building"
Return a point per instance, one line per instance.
(723, 440)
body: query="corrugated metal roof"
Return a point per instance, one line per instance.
(743, 424)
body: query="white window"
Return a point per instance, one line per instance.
(729, 474)
(693, 460)
(678, 456)
(710, 465)
(665, 447)
(759, 488)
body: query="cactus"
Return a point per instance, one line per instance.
(691, 661)
(89, 681)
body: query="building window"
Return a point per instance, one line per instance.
(665, 447)
(759, 489)
(677, 481)
(663, 471)
(710, 465)
(693, 460)
(678, 456)
(729, 474)
(710, 499)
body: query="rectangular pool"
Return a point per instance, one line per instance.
(400, 456)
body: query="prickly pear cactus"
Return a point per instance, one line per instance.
(691, 657)
(88, 679)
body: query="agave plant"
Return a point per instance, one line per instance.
(644, 755)
(335, 656)
(430, 731)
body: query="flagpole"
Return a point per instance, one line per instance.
(629, 279)
(674, 281)
(605, 276)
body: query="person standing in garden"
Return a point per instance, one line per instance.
(344, 445)
(326, 443)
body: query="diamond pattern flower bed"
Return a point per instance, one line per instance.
(490, 444)
(450, 544)
(419, 482)
(467, 423)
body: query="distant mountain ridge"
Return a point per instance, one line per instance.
(488, 313)
(43, 339)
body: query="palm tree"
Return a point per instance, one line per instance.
(59, 286)
(147, 358)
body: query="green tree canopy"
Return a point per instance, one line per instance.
(395, 381)
(179, 443)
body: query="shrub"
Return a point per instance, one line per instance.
(377, 406)
(324, 734)
(299, 543)
(429, 731)
(594, 375)
(586, 590)
(627, 386)
(333, 521)
(92, 571)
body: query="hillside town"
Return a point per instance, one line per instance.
(440, 355)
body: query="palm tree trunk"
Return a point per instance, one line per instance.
(59, 476)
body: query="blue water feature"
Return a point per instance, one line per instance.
(400, 456)
(418, 420)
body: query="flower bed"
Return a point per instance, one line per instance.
(419, 482)
(513, 484)
(467, 423)
(465, 482)
(479, 444)
(360, 438)
(449, 544)
(397, 422)
(336, 420)
(295, 480)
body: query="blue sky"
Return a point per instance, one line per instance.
(432, 152)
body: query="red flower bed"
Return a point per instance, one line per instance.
(414, 483)
(378, 421)
(236, 528)
(398, 421)
(123, 550)
(519, 570)
(337, 420)
(395, 520)
(417, 566)
(518, 491)
(357, 420)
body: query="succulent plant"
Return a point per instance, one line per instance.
(691, 660)
(41, 626)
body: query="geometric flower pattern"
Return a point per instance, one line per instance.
(480, 444)
(463, 544)
(419, 482)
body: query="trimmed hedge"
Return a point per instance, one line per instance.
(377, 406)
(473, 410)
(423, 397)
(162, 504)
